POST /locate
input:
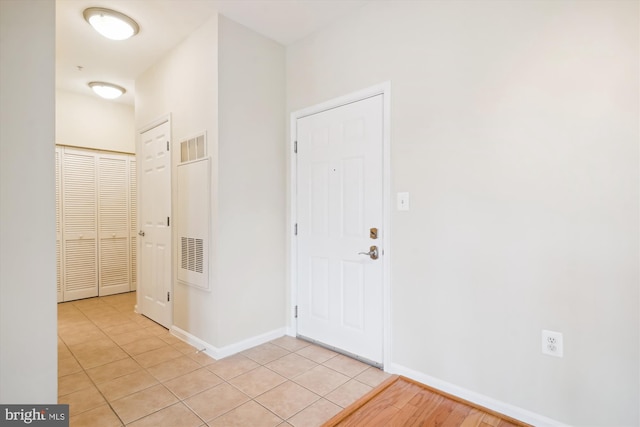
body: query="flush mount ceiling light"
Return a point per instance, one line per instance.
(111, 24)
(107, 90)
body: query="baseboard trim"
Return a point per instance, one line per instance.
(229, 350)
(475, 398)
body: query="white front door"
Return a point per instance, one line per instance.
(339, 216)
(154, 164)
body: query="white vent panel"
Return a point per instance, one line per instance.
(193, 149)
(193, 222)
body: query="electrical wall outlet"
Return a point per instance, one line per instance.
(552, 343)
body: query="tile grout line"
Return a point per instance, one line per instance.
(320, 397)
(254, 399)
(84, 370)
(207, 367)
(287, 379)
(159, 382)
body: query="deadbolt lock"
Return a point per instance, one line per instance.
(373, 233)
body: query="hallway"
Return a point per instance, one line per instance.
(116, 368)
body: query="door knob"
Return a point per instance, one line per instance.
(373, 252)
(141, 233)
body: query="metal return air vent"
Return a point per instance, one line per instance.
(192, 149)
(192, 254)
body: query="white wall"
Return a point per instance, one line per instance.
(515, 131)
(251, 236)
(28, 320)
(229, 81)
(91, 122)
(184, 83)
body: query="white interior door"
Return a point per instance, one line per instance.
(339, 203)
(154, 163)
(79, 225)
(113, 224)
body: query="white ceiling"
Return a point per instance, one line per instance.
(163, 25)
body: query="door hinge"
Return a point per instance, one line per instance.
(168, 221)
(168, 297)
(295, 229)
(295, 146)
(295, 312)
(167, 145)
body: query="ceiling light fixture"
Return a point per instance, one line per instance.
(107, 90)
(111, 24)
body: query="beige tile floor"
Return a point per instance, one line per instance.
(119, 368)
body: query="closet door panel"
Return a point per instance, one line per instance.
(133, 211)
(113, 224)
(59, 262)
(79, 228)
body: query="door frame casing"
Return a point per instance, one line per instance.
(153, 124)
(383, 89)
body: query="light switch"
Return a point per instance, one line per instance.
(403, 201)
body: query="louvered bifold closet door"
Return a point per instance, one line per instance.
(113, 224)
(79, 228)
(133, 211)
(59, 261)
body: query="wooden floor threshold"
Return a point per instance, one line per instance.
(400, 401)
